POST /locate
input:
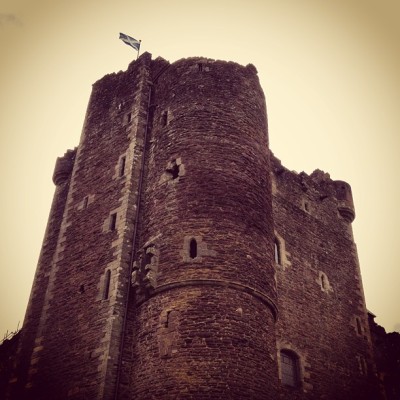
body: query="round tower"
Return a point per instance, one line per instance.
(204, 282)
(63, 167)
(345, 200)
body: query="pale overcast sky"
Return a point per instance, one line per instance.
(329, 69)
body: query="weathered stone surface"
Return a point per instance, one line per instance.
(320, 293)
(181, 258)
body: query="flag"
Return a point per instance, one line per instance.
(130, 41)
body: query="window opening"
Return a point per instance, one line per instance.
(277, 252)
(107, 280)
(113, 221)
(167, 319)
(193, 248)
(289, 369)
(82, 289)
(85, 202)
(122, 166)
(306, 206)
(129, 117)
(173, 169)
(200, 66)
(359, 329)
(364, 366)
(164, 118)
(171, 319)
(323, 281)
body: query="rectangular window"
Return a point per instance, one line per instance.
(164, 118)
(122, 166)
(113, 221)
(359, 329)
(106, 290)
(277, 252)
(289, 370)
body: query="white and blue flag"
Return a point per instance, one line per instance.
(130, 41)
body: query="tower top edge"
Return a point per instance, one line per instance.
(146, 60)
(193, 59)
(317, 175)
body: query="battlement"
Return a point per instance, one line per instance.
(316, 191)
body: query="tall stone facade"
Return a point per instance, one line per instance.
(183, 261)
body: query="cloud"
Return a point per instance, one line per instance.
(9, 19)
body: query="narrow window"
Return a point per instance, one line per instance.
(172, 319)
(359, 329)
(200, 66)
(277, 252)
(85, 202)
(323, 281)
(113, 221)
(164, 118)
(289, 369)
(193, 248)
(129, 117)
(122, 166)
(306, 206)
(106, 290)
(362, 365)
(167, 319)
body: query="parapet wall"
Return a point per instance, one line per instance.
(316, 194)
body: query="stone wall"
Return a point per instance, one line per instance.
(75, 316)
(386, 348)
(29, 342)
(322, 314)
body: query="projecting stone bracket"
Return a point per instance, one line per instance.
(174, 170)
(145, 271)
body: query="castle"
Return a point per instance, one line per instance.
(181, 260)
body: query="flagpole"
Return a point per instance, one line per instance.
(130, 41)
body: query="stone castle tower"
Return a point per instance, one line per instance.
(182, 261)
